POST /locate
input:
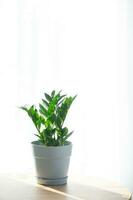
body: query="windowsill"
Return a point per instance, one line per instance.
(78, 188)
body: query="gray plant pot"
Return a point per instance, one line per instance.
(52, 163)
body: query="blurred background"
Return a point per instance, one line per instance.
(84, 48)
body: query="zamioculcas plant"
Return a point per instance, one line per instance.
(52, 150)
(49, 118)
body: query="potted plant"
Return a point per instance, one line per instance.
(52, 150)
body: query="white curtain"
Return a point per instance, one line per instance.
(81, 48)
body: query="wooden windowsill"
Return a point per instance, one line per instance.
(23, 186)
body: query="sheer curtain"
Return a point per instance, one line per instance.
(81, 48)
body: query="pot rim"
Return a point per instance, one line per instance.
(36, 143)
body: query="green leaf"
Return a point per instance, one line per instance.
(31, 111)
(62, 111)
(58, 122)
(74, 97)
(53, 93)
(67, 136)
(43, 110)
(51, 108)
(24, 108)
(38, 136)
(48, 97)
(65, 131)
(61, 98)
(38, 123)
(52, 118)
(60, 102)
(42, 120)
(45, 102)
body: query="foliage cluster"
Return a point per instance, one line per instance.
(49, 118)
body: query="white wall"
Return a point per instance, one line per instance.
(127, 156)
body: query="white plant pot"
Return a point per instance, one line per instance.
(52, 163)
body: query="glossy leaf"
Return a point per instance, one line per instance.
(49, 98)
(45, 102)
(42, 110)
(53, 93)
